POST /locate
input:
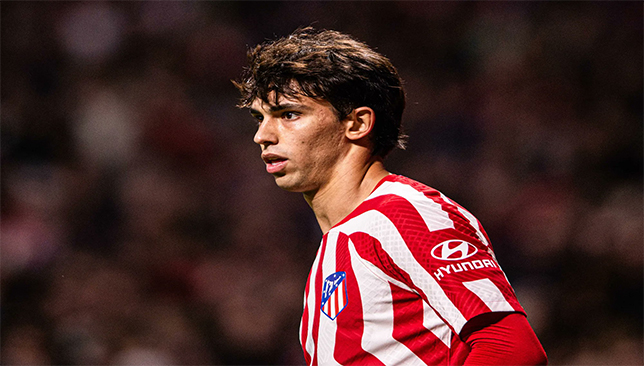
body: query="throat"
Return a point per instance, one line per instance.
(335, 201)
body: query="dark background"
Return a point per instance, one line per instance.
(140, 227)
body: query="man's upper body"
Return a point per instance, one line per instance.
(397, 280)
(403, 275)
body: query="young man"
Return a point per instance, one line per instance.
(404, 275)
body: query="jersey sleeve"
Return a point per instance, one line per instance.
(440, 250)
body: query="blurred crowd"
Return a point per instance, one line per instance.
(140, 227)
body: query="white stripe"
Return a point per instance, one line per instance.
(447, 199)
(431, 212)
(378, 272)
(490, 294)
(310, 300)
(436, 325)
(327, 327)
(378, 315)
(377, 225)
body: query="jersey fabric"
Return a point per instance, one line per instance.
(396, 280)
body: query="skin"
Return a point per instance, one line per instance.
(326, 159)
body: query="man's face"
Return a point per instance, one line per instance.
(301, 140)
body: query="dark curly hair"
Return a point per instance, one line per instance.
(333, 66)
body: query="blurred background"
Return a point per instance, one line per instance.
(140, 227)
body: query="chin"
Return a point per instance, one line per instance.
(285, 184)
(290, 185)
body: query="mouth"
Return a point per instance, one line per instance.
(274, 163)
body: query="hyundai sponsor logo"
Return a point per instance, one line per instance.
(464, 267)
(453, 250)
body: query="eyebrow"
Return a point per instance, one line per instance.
(281, 107)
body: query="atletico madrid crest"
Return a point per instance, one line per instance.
(334, 294)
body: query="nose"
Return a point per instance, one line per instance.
(266, 133)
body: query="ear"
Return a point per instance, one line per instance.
(359, 123)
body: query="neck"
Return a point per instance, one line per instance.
(344, 192)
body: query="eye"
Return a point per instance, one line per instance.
(258, 118)
(290, 115)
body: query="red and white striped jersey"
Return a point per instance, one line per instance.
(396, 280)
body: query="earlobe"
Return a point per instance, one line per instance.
(360, 122)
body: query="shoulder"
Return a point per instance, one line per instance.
(399, 192)
(417, 207)
(403, 187)
(404, 202)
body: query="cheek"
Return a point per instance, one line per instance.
(322, 150)
(322, 141)
(319, 142)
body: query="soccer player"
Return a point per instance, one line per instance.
(403, 275)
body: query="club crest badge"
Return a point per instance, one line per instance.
(334, 295)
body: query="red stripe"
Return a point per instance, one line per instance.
(348, 338)
(409, 329)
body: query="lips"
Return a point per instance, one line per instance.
(274, 162)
